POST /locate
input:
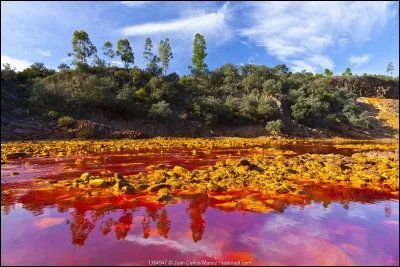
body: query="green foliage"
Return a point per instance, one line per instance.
(280, 70)
(63, 67)
(53, 114)
(165, 54)
(361, 121)
(141, 95)
(122, 77)
(82, 47)
(85, 132)
(108, 51)
(390, 68)
(229, 95)
(328, 72)
(151, 59)
(160, 110)
(65, 121)
(124, 50)
(82, 67)
(274, 126)
(347, 72)
(36, 70)
(199, 54)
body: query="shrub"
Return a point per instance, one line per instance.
(52, 114)
(85, 133)
(274, 126)
(160, 110)
(361, 121)
(65, 121)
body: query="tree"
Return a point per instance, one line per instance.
(328, 72)
(108, 51)
(82, 47)
(280, 69)
(151, 59)
(98, 61)
(63, 67)
(124, 50)
(37, 70)
(347, 72)
(7, 67)
(199, 53)
(165, 53)
(390, 68)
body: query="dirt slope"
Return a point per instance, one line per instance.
(385, 113)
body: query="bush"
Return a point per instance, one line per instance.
(362, 121)
(274, 126)
(85, 133)
(52, 114)
(160, 110)
(65, 121)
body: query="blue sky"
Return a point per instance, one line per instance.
(303, 35)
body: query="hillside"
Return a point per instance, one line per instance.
(247, 101)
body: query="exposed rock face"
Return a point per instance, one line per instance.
(37, 129)
(98, 130)
(368, 86)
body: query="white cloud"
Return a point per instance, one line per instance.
(183, 246)
(323, 62)
(303, 33)
(45, 53)
(18, 64)
(135, 3)
(117, 62)
(359, 60)
(299, 65)
(212, 24)
(66, 59)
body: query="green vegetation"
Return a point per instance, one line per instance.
(124, 50)
(274, 126)
(85, 132)
(347, 72)
(65, 121)
(228, 95)
(53, 114)
(390, 68)
(328, 72)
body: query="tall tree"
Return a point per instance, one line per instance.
(165, 53)
(328, 72)
(199, 53)
(124, 50)
(108, 51)
(390, 68)
(82, 47)
(151, 59)
(347, 72)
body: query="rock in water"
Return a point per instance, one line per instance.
(85, 177)
(97, 183)
(16, 155)
(128, 190)
(244, 162)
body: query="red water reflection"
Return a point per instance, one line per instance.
(329, 226)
